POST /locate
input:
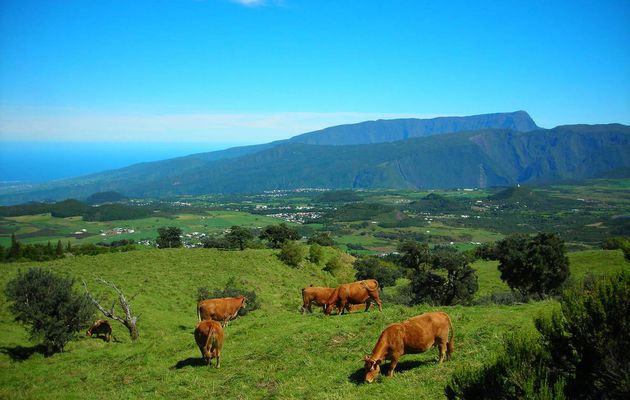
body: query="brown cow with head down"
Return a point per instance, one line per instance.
(223, 309)
(101, 327)
(209, 338)
(315, 295)
(354, 293)
(415, 335)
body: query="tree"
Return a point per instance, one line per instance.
(129, 320)
(238, 237)
(49, 306)
(59, 249)
(315, 254)
(15, 251)
(278, 234)
(372, 268)
(291, 253)
(429, 284)
(537, 265)
(322, 239)
(414, 254)
(169, 237)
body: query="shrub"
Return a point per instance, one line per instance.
(372, 268)
(533, 265)
(291, 253)
(216, 242)
(618, 242)
(580, 351)
(48, 305)
(333, 266)
(315, 253)
(414, 254)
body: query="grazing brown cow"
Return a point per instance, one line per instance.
(315, 295)
(224, 309)
(101, 327)
(354, 293)
(209, 338)
(415, 335)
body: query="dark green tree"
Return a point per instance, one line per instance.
(59, 249)
(373, 268)
(15, 251)
(238, 237)
(414, 254)
(447, 280)
(291, 253)
(278, 234)
(169, 237)
(47, 304)
(322, 239)
(537, 265)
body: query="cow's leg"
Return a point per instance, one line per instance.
(218, 354)
(380, 305)
(341, 306)
(367, 305)
(392, 365)
(442, 349)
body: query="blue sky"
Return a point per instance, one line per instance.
(249, 71)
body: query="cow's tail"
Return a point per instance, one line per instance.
(368, 286)
(450, 345)
(211, 342)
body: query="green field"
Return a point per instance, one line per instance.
(42, 228)
(274, 352)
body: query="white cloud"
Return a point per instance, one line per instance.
(42, 124)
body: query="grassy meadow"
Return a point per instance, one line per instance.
(273, 352)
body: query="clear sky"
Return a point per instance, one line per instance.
(248, 71)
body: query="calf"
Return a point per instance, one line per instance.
(101, 327)
(209, 338)
(223, 309)
(315, 295)
(354, 293)
(415, 335)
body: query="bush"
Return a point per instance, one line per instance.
(372, 268)
(580, 351)
(291, 253)
(518, 373)
(617, 242)
(232, 289)
(315, 253)
(533, 265)
(48, 305)
(216, 242)
(333, 266)
(414, 254)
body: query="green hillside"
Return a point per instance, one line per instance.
(273, 352)
(482, 158)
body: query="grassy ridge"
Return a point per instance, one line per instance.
(271, 353)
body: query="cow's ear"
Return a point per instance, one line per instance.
(366, 358)
(378, 362)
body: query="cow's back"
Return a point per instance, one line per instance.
(420, 332)
(207, 328)
(219, 309)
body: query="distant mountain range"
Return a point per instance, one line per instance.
(477, 151)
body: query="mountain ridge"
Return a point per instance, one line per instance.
(490, 157)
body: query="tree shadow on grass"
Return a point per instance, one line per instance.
(190, 362)
(21, 353)
(358, 376)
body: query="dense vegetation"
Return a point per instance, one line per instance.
(576, 353)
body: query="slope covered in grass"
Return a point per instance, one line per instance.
(273, 352)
